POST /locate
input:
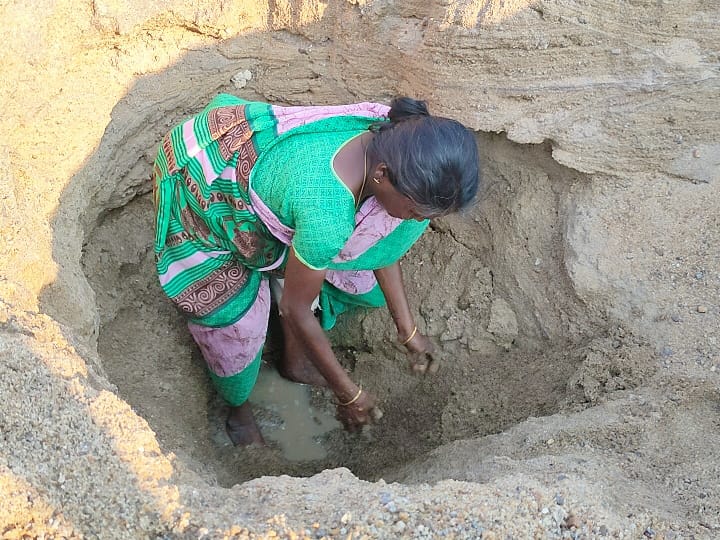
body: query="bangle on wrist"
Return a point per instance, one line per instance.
(409, 338)
(353, 400)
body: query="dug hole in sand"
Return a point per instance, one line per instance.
(578, 390)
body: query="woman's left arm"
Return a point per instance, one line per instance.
(419, 347)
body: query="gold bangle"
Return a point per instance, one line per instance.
(412, 335)
(353, 400)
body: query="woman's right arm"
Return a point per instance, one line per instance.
(302, 285)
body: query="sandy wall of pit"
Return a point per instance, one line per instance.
(624, 94)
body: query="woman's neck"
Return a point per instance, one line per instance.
(353, 167)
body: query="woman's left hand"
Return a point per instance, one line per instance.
(420, 351)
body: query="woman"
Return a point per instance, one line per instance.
(328, 197)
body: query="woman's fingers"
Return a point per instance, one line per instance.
(353, 423)
(360, 413)
(434, 365)
(424, 363)
(419, 367)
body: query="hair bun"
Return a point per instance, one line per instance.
(403, 108)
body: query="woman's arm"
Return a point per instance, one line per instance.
(419, 347)
(393, 288)
(302, 285)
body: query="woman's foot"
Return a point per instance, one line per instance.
(294, 365)
(242, 428)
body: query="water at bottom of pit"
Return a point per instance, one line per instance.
(287, 417)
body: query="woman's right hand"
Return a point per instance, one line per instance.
(359, 413)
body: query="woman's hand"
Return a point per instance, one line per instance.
(362, 411)
(420, 352)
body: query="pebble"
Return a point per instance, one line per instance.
(572, 521)
(666, 352)
(391, 507)
(559, 500)
(675, 317)
(699, 275)
(696, 153)
(347, 518)
(649, 533)
(603, 530)
(399, 526)
(702, 309)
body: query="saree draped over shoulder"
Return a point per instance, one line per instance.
(238, 185)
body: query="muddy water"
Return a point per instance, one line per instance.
(300, 427)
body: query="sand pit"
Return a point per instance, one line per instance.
(576, 304)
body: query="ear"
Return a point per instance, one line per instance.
(380, 173)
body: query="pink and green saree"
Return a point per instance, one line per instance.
(235, 187)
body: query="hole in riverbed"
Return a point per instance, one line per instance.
(490, 286)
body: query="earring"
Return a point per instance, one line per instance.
(376, 180)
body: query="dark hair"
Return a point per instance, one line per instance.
(432, 160)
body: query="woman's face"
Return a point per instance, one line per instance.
(395, 203)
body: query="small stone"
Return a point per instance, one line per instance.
(603, 530)
(559, 500)
(572, 521)
(320, 533)
(241, 78)
(699, 275)
(385, 497)
(615, 51)
(675, 317)
(399, 526)
(347, 518)
(696, 153)
(702, 309)
(666, 352)
(550, 442)
(404, 516)
(544, 511)
(649, 533)
(391, 507)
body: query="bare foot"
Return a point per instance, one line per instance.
(241, 427)
(294, 365)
